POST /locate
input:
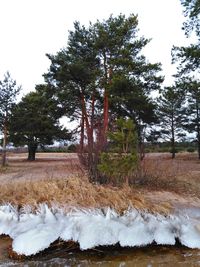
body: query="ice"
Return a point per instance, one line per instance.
(44, 228)
(32, 231)
(8, 219)
(189, 235)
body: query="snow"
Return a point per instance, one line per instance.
(32, 232)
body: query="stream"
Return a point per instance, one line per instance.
(25, 231)
(149, 256)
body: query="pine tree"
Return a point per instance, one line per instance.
(172, 115)
(87, 74)
(120, 161)
(33, 123)
(192, 88)
(8, 92)
(188, 59)
(192, 12)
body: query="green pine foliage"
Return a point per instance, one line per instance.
(119, 163)
(193, 109)
(33, 123)
(192, 12)
(107, 55)
(172, 115)
(8, 93)
(188, 59)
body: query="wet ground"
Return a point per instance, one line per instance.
(150, 256)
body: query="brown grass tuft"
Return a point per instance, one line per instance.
(180, 175)
(74, 191)
(59, 179)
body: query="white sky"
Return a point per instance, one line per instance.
(31, 28)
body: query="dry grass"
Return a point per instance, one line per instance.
(59, 179)
(74, 191)
(180, 175)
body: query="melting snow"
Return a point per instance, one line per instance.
(33, 232)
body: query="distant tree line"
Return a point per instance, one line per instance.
(102, 81)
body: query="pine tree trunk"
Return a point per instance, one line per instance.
(140, 142)
(173, 146)
(108, 80)
(127, 181)
(82, 134)
(173, 140)
(90, 137)
(105, 118)
(92, 119)
(89, 130)
(4, 144)
(199, 149)
(198, 140)
(141, 150)
(32, 151)
(198, 128)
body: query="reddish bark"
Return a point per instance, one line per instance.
(92, 118)
(89, 130)
(5, 133)
(106, 107)
(4, 144)
(105, 116)
(82, 134)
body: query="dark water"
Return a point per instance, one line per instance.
(151, 256)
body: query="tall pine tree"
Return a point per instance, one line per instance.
(8, 92)
(34, 123)
(89, 73)
(188, 59)
(172, 115)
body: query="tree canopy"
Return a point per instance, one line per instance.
(32, 123)
(101, 75)
(172, 116)
(8, 93)
(192, 12)
(189, 57)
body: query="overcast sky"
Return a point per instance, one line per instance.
(31, 28)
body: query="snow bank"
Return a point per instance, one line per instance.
(33, 232)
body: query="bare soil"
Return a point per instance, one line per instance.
(5, 243)
(58, 178)
(46, 166)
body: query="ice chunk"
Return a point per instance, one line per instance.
(33, 232)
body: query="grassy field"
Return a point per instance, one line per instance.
(59, 179)
(180, 175)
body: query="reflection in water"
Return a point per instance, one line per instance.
(151, 256)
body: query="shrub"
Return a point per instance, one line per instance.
(119, 163)
(191, 149)
(72, 148)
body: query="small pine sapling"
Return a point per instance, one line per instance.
(120, 161)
